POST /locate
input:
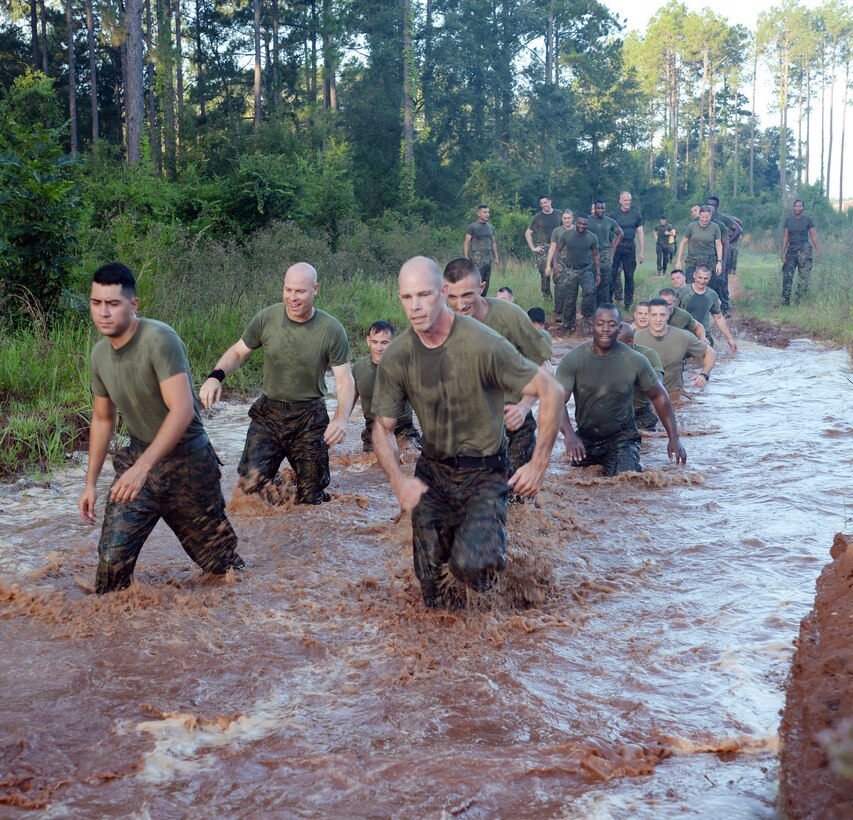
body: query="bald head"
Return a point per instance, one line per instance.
(424, 269)
(422, 292)
(626, 334)
(300, 288)
(303, 271)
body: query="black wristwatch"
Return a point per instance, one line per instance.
(707, 376)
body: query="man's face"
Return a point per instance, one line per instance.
(299, 292)
(658, 315)
(377, 341)
(111, 311)
(422, 297)
(670, 300)
(581, 225)
(483, 214)
(694, 211)
(625, 202)
(505, 295)
(598, 209)
(705, 219)
(701, 278)
(641, 317)
(545, 205)
(605, 329)
(662, 221)
(567, 219)
(678, 280)
(798, 209)
(462, 295)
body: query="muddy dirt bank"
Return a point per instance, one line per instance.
(816, 779)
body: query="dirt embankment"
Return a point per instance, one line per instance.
(817, 725)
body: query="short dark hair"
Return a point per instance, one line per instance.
(798, 200)
(600, 202)
(658, 303)
(642, 304)
(714, 200)
(610, 307)
(457, 269)
(544, 196)
(114, 273)
(667, 291)
(381, 326)
(701, 267)
(696, 205)
(537, 314)
(480, 207)
(505, 289)
(705, 209)
(662, 217)
(676, 270)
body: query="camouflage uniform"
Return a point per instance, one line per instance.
(460, 522)
(646, 418)
(522, 443)
(544, 280)
(484, 265)
(602, 290)
(799, 256)
(291, 430)
(566, 294)
(183, 489)
(404, 429)
(616, 454)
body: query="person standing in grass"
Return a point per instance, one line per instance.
(480, 246)
(168, 469)
(539, 231)
(798, 240)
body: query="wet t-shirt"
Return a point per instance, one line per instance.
(296, 354)
(603, 387)
(798, 230)
(130, 377)
(701, 305)
(701, 242)
(364, 373)
(557, 238)
(726, 220)
(681, 319)
(457, 389)
(628, 221)
(543, 226)
(547, 336)
(661, 234)
(577, 248)
(481, 234)
(604, 229)
(672, 348)
(515, 326)
(640, 400)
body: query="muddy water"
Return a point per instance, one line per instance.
(631, 664)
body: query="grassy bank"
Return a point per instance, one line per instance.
(208, 290)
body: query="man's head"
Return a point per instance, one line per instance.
(662, 220)
(701, 277)
(641, 315)
(713, 210)
(669, 296)
(678, 278)
(379, 336)
(537, 316)
(113, 302)
(463, 285)
(300, 288)
(606, 322)
(483, 213)
(625, 201)
(658, 316)
(598, 208)
(422, 292)
(545, 204)
(694, 210)
(567, 218)
(705, 215)
(626, 334)
(799, 206)
(714, 200)
(581, 224)
(505, 293)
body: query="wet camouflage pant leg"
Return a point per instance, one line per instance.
(405, 429)
(719, 283)
(367, 436)
(571, 280)
(544, 281)
(645, 417)
(522, 443)
(602, 291)
(296, 435)
(484, 264)
(731, 262)
(184, 491)
(561, 291)
(616, 455)
(460, 522)
(797, 258)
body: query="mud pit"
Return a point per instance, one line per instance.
(632, 665)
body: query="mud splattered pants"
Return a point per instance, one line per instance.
(522, 443)
(796, 257)
(405, 429)
(183, 490)
(460, 522)
(484, 264)
(566, 283)
(617, 454)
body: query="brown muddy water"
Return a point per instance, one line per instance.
(631, 664)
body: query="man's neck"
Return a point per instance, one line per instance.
(697, 290)
(437, 335)
(661, 334)
(481, 308)
(308, 318)
(118, 342)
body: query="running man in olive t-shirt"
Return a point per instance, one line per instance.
(664, 232)
(797, 252)
(625, 256)
(379, 335)
(169, 468)
(480, 246)
(602, 375)
(538, 236)
(579, 267)
(289, 420)
(456, 373)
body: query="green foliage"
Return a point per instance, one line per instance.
(325, 194)
(510, 227)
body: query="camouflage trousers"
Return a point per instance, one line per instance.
(617, 454)
(719, 283)
(731, 262)
(566, 284)
(644, 415)
(183, 490)
(287, 430)
(405, 429)
(460, 522)
(484, 264)
(522, 443)
(602, 290)
(544, 280)
(799, 257)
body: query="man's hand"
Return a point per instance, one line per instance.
(597, 279)
(409, 491)
(675, 450)
(210, 393)
(336, 432)
(539, 249)
(129, 483)
(732, 345)
(513, 417)
(86, 505)
(574, 448)
(527, 480)
(699, 380)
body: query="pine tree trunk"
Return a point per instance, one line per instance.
(199, 61)
(831, 114)
(407, 181)
(153, 114)
(808, 121)
(133, 81)
(843, 129)
(72, 80)
(273, 101)
(330, 94)
(752, 125)
(257, 28)
(736, 141)
(165, 60)
(34, 32)
(179, 61)
(93, 72)
(312, 85)
(43, 20)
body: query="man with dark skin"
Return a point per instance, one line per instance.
(480, 246)
(602, 375)
(458, 495)
(579, 267)
(797, 252)
(169, 468)
(609, 234)
(625, 256)
(538, 237)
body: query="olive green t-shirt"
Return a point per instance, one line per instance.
(641, 401)
(605, 229)
(457, 389)
(296, 354)
(514, 325)
(798, 230)
(672, 348)
(576, 249)
(603, 387)
(364, 373)
(481, 237)
(543, 226)
(700, 305)
(701, 241)
(130, 377)
(681, 319)
(661, 234)
(547, 336)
